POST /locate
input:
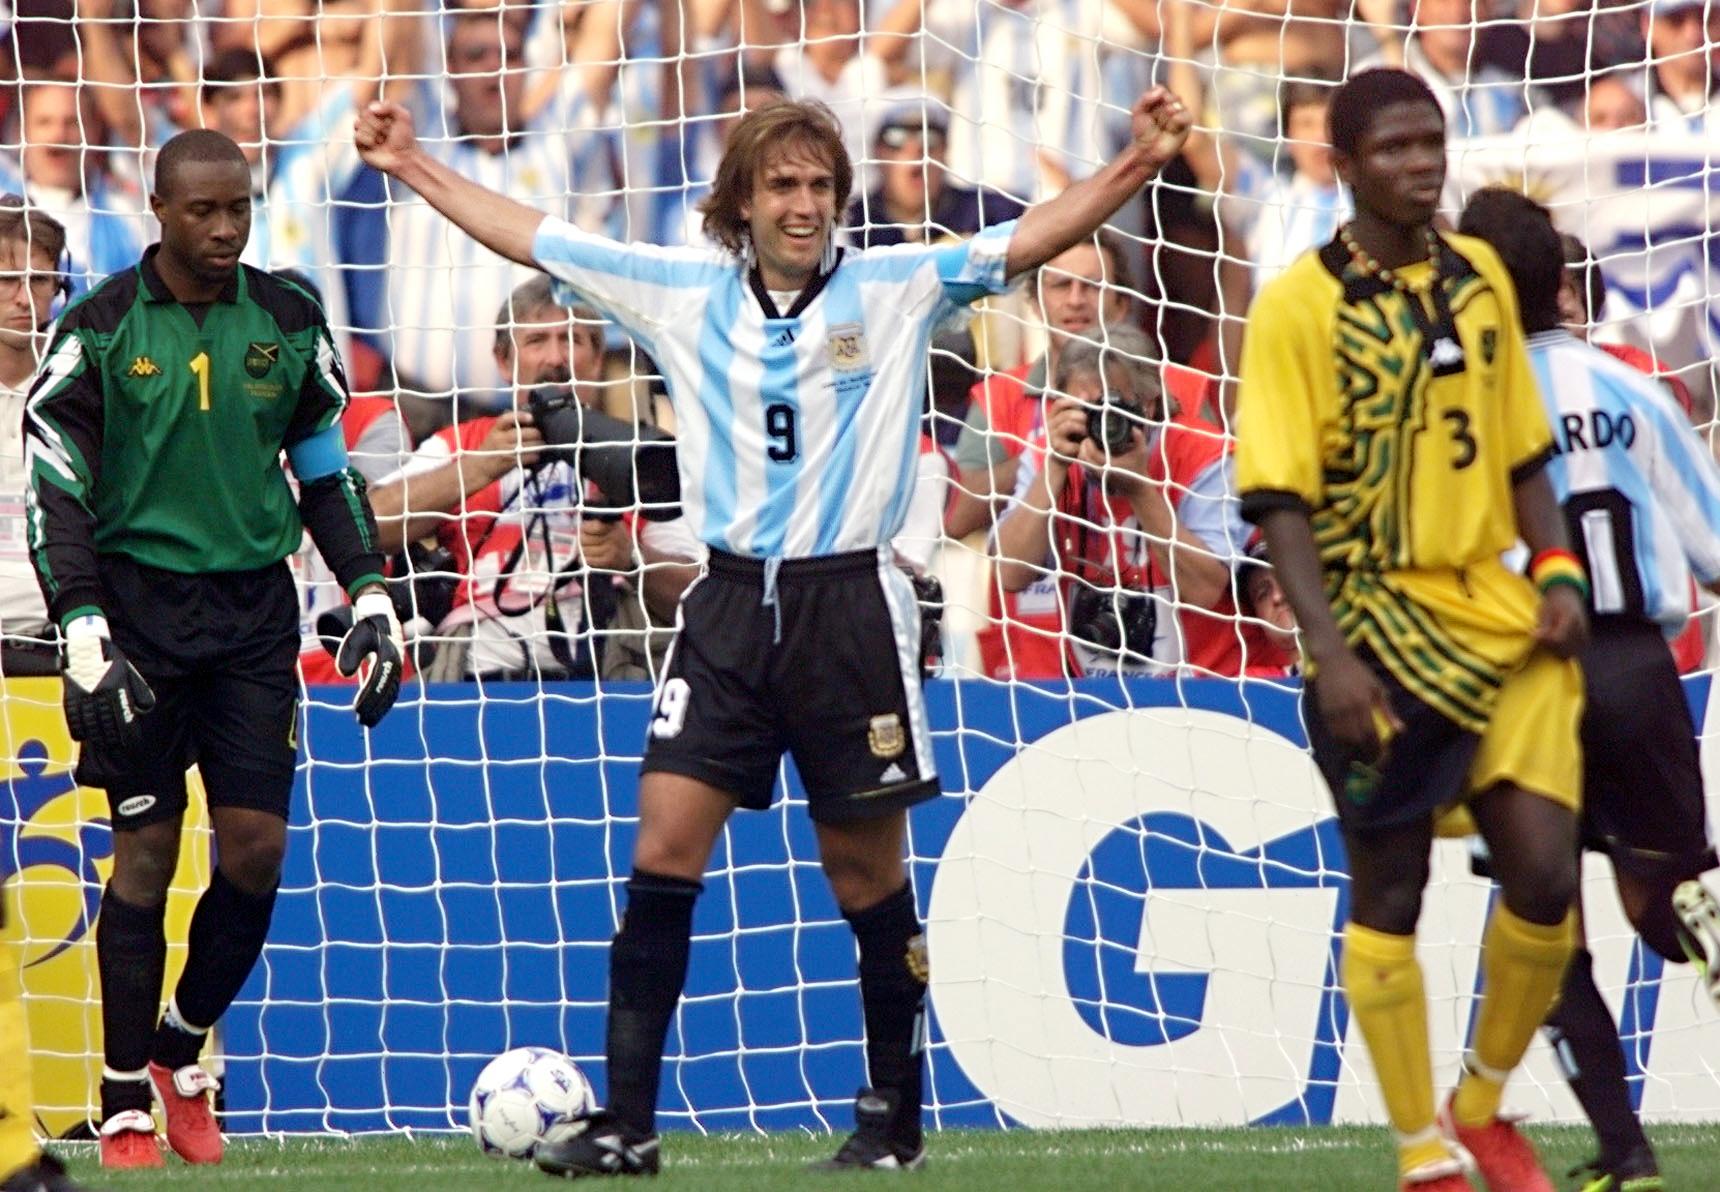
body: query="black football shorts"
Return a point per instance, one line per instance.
(817, 657)
(1642, 775)
(220, 650)
(1423, 769)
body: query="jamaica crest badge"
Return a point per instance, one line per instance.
(260, 357)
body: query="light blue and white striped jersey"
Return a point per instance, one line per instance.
(106, 229)
(444, 288)
(1029, 82)
(1639, 488)
(797, 436)
(1281, 218)
(1485, 101)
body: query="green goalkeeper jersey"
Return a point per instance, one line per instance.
(155, 429)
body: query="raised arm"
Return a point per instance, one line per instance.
(386, 141)
(890, 39)
(1025, 544)
(387, 53)
(1202, 151)
(592, 51)
(1160, 124)
(111, 77)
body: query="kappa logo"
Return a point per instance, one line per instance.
(260, 357)
(143, 366)
(1446, 352)
(136, 805)
(847, 347)
(886, 737)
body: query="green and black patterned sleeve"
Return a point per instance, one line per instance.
(63, 431)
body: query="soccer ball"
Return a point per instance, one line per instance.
(527, 1096)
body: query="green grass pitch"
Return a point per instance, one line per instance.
(1268, 1160)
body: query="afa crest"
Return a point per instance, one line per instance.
(886, 737)
(260, 357)
(847, 347)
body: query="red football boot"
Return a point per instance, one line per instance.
(129, 1141)
(184, 1100)
(1505, 1159)
(1443, 1175)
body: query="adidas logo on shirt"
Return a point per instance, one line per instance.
(893, 773)
(784, 338)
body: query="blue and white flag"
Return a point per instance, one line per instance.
(1648, 207)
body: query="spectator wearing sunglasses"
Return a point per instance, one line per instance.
(916, 200)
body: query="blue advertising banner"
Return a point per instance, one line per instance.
(1133, 893)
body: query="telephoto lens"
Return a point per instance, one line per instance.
(631, 464)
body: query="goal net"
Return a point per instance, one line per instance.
(1133, 884)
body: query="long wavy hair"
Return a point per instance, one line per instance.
(780, 127)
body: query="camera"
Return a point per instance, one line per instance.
(632, 465)
(1109, 423)
(1115, 621)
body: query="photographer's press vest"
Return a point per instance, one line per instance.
(1026, 637)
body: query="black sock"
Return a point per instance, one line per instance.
(1585, 1040)
(131, 952)
(647, 969)
(226, 937)
(121, 1095)
(893, 997)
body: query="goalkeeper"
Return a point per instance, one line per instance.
(159, 520)
(797, 370)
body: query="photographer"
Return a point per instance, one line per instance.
(1124, 505)
(546, 565)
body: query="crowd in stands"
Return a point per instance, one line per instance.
(1059, 554)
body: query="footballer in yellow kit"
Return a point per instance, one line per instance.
(1391, 447)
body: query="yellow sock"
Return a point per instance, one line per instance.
(1382, 980)
(1522, 967)
(17, 1107)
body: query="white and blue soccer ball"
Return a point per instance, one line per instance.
(527, 1096)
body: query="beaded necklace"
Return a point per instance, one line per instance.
(1369, 267)
(1440, 344)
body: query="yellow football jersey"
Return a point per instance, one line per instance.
(1403, 456)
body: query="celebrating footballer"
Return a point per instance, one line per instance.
(797, 372)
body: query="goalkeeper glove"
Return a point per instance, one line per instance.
(103, 693)
(372, 650)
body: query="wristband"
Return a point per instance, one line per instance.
(1556, 566)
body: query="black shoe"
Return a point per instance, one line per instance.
(603, 1146)
(878, 1144)
(1634, 1172)
(47, 1174)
